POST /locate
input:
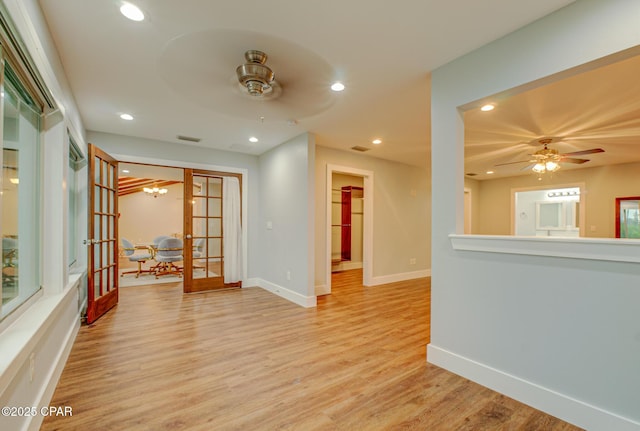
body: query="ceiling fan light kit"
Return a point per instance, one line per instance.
(548, 166)
(254, 75)
(549, 159)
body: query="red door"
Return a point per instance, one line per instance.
(103, 234)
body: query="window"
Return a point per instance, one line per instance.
(20, 197)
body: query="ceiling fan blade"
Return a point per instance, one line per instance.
(513, 163)
(584, 152)
(570, 160)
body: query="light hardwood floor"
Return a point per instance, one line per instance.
(245, 359)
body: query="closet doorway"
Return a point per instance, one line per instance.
(349, 223)
(347, 217)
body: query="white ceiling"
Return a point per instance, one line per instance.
(174, 71)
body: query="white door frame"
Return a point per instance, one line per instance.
(367, 223)
(582, 205)
(468, 219)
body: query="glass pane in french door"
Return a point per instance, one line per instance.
(206, 216)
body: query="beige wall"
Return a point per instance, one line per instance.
(143, 217)
(401, 213)
(602, 185)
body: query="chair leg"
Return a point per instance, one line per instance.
(169, 269)
(138, 271)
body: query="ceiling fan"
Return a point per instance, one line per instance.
(248, 75)
(255, 76)
(549, 159)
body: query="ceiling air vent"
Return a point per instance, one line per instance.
(471, 174)
(359, 148)
(188, 138)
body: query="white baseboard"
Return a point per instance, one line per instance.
(393, 278)
(556, 404)
(251, 282)
(290, 295)
(322, 289)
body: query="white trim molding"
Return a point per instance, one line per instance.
(566, 408)
(289, 295)
(322, 289)
(393, 278)
(609, 249)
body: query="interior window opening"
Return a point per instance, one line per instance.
(583, 129)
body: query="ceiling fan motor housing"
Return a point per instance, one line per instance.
(254, 75)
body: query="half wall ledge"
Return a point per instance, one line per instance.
(609, 249)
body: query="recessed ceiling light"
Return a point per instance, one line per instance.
(490, 172)
(125, 171)
(337, 86)
(487, 107)
(377, 141)
(132, 12)
(253, 139)
(127, 117)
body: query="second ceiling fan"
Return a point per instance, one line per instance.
(549, 159)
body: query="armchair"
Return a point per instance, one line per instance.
(130, 252)
(169, 251)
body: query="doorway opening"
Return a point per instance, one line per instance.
(349, 223)
(557, 211)
(220, 245)
(467, 211)
(347, 211)
(150, 208)
(179, 224)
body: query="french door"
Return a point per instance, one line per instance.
(103, 234)
(204, 260)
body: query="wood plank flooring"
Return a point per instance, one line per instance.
(245, 359)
